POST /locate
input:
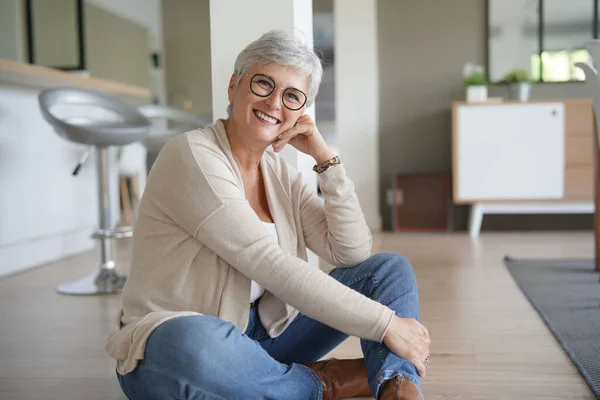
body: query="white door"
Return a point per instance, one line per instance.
(510, 152)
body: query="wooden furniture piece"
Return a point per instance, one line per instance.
(523, 158)
(421, 201)
(592, 84)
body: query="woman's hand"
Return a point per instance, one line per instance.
(408, 339)
(305, 137)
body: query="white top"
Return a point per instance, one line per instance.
(257, 290)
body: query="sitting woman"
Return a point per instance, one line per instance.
(220, 302)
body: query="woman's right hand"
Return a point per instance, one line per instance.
(408, 339)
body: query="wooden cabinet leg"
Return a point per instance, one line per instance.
(126, 213)
(135, 188)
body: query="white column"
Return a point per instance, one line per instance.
(357, 100)
(236, 23)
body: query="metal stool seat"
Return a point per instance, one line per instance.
(117, 124)
(169, 122)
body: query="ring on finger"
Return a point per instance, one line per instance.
(426, 361)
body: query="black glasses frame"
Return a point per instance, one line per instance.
(275, 87)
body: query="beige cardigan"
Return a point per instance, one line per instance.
(197, 245)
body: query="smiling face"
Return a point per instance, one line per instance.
(265, 118)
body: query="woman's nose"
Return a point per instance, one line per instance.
(274, 100)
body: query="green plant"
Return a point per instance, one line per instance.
(474, 75)
(475, 79)
(516, 76)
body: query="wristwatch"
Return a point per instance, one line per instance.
(326, 165)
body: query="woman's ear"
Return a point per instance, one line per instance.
(231, 88)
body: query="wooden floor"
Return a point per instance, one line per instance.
(488, 342)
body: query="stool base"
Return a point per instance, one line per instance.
(107, 281)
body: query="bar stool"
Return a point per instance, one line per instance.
(127, 126)
(167, 123)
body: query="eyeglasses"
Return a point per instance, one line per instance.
(263, 86)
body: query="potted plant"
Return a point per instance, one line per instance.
(475, 82)
(519, 84)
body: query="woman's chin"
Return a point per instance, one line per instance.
(264, 137)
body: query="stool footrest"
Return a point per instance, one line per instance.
(116, 233)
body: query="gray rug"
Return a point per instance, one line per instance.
(566, 294)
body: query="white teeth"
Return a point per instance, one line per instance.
(265, 117)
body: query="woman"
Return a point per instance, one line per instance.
(220, 302)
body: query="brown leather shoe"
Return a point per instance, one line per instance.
(400, 388)
(342, 379)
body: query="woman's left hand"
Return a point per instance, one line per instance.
(305, 137)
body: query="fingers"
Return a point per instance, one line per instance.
(305, 119)
(421, 362)
(288, 135)
(421, 369)
(425, 334)
(295, 131)
(279, 144)
(422, 350)
(410, 340)
(283, 139)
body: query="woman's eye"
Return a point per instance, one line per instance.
(293, 97)
(265, 84)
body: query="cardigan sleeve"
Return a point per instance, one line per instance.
(196, 188)
(334, 227)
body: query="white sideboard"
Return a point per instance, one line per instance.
(511, 158)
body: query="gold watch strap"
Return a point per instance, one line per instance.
(326, 165)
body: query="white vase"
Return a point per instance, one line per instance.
(477, 93)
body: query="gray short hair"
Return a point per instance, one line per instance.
(282, 48)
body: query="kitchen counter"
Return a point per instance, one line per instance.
(38, 77)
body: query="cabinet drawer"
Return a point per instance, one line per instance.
(579, 151)
(579, 183)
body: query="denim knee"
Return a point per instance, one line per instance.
(391, 262)
(191, 354)
(196, 340)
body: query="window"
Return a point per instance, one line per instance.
(545, 37)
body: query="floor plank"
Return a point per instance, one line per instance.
(488, 342)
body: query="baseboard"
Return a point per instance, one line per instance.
(15, 258)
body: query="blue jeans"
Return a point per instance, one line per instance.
(204, 357)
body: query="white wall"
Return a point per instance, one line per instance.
(357, 100)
